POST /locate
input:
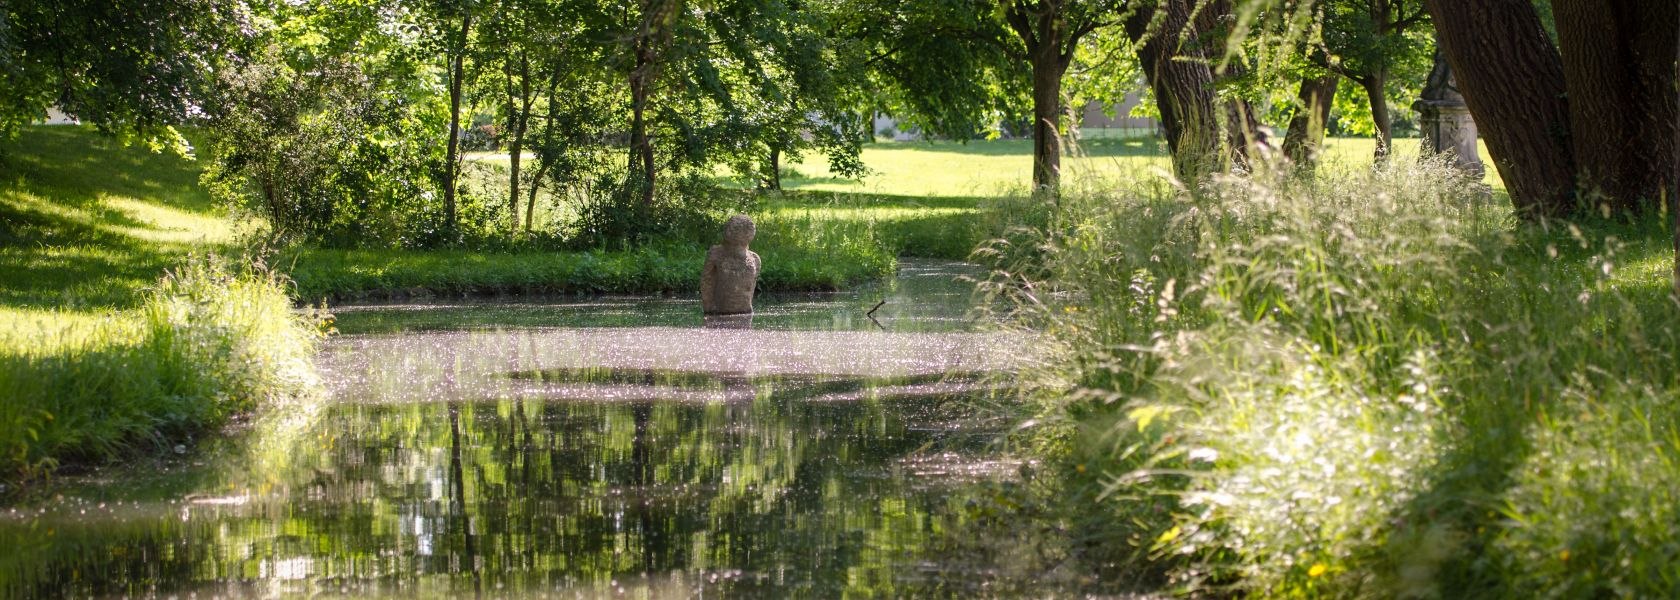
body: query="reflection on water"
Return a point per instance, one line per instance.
(925, 296)
(654, 462)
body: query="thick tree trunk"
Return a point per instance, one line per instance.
(1306, 127)
(452, 154)
(1047, 70)
(1373, 85)
(1616, 71)
(1183, 89)
(1044, 31)
(1512, 78)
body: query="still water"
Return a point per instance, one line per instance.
(609, 447)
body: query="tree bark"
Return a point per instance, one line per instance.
(1374, 85)
(1306, 127)
(519, 118)
(452, 154)
(773, 177)
(1512, 79)
(1183, 88)
(652, 36)
(1047, 114)
(1616, 71)
(1043, 29)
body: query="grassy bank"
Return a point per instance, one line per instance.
(103, 355)
(1368, 384)
(809, 241)
(203, 346)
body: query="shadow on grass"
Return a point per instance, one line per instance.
(61, 242)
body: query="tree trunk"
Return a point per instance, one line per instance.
(452, 154)
(1043, 29)
(1306, 127)
(773, 177)
(1674, 180)
(1047, 70)
(641, 147)
(1183, 89)
(519, 117)
(1374, 91)
(1512, 79)
(545, 159)
(651, 39)
(1616, 71)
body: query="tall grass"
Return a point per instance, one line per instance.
(1369, 383)
(206, 344)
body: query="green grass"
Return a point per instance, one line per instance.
(101, 354)
(1371, 384)
(1000, 167)
(203, 346)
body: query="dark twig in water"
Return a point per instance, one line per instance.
(878, 305)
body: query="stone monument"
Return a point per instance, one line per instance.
(731, 272)
(1445, 119)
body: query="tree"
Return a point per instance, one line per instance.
(127, 66)
(1617, 72)
(1365, 41)
(1050, 32)
(1305, 135)
(1170, 52)
(1512, 79)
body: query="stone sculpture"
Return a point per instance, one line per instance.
(731, 272)
(1445, 119)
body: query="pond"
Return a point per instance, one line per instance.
(609, 446)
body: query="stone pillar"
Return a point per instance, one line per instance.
(1445, 119)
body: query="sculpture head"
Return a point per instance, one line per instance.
(738, 231)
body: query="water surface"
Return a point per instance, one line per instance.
(578, 448)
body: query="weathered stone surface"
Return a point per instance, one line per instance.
(730, 275)
(1445, 120)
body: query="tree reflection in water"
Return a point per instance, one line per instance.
(646, 482)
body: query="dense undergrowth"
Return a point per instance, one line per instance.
(205, 345)
(1373, 383)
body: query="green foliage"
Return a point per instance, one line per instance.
(132, 68)
(206, 344)
(1369, 383)
(327, 154)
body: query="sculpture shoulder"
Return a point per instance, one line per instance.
(713, 253)
(753, 256)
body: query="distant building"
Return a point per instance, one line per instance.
(57, 117)
(1092, 118)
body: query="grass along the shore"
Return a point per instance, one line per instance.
(1365, 384)
(204, 345)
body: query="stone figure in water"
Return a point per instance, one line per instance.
(731, 272)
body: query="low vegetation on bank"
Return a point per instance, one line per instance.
(206, 344)
(1371, 383)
